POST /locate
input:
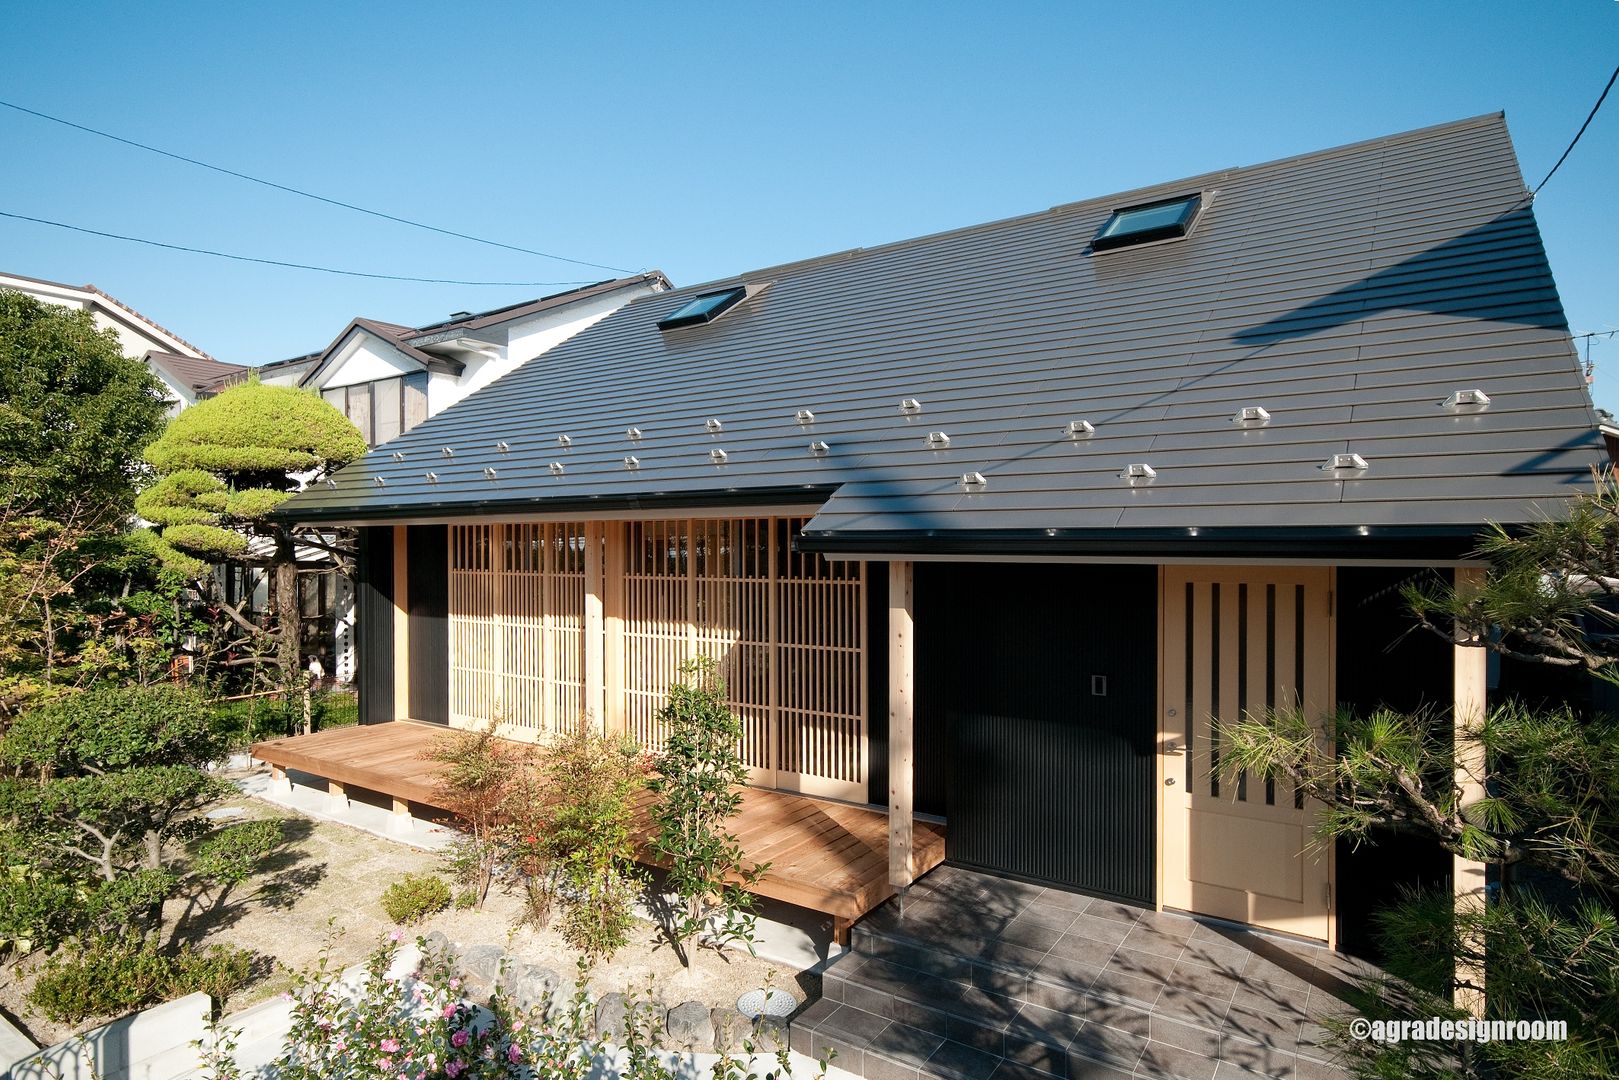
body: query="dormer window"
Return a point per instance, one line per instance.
(1162, 220)
(704, 309)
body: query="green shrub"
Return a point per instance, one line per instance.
(115, 976)
(587, 832)
(37, 910)
(414, 897)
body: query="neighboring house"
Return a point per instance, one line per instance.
(994, 524)
(388, 378)
(187, 371)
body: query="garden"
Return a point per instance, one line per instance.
(133, 868)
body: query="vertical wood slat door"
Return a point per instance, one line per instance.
(785, 629)
(1242, 640)
(516, 613)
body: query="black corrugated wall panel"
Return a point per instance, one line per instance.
(877, 682)
(429, 558)
(1037, 685)
(374, 624)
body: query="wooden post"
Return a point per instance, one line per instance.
(401, 617)
(337, 798)
(595, 688)
(400, 820)
(1467, 876)
(901, 706)
(615, 562)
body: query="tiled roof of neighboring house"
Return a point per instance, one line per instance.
(194, 372)
(1348, 293)
(122, 307)
(407, 338)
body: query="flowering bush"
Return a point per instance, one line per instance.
(421, 1027)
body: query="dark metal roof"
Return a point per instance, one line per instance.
(1347, 292)
(195, 372)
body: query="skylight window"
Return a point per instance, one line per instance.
(704, 309)
(1152, 221)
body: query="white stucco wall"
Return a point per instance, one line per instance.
(363, 358)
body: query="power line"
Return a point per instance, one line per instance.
(1600, 99)
(307, 194)
(278, 262)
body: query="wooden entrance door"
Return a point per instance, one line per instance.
(1242, 639)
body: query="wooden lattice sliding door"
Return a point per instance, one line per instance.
(786, 630)
(1237, 641)
(516, 608)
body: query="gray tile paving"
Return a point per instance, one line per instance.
(974, 977)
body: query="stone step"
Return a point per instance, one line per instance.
(1067, 1034)
(1004, 970)
(877, 1046)
(1066, 1021)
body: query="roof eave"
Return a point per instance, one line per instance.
(1447, 542)
(811, 497)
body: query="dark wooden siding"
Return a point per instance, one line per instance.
(877, 682)
(1048, 776)
(429, 623)
(374, 624)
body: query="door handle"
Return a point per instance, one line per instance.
(1173, 748)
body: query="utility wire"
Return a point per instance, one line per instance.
(1600, 99)
(307, 194)
(278, 262)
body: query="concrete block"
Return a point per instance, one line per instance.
(150, 1045)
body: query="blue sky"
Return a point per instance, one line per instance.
(704, 140)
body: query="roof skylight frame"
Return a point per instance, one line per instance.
(1145, 223)
(705, 308)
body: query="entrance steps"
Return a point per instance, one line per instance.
(974, 986)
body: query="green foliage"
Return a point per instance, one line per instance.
(243, 722)
(1550, 585)
(253, 428)
(252, 503)
(697, 779)
(117, 975)
(480, 771)
(1552, 803)
(186, 497)
(115, 728)
(414, 897)
(75, 417)
(105, 791)
(211, 543)
(582, 831)
(75, 413)
(37, 910)
(1543, 962)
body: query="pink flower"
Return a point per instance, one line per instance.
(388, 1046)
(396, 936)
(385, 1064)
(449, 1011)
(513, 1054)
(454, 1069)
(459, 1039)
(455, 984)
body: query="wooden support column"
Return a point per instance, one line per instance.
(615, 562)
(901, 709)
(401, 617)
(1467, 876)
(595, 688)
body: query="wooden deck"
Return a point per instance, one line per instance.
(827, 856)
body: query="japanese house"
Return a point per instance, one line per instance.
(986, 528)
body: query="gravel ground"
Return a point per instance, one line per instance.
(324, 892)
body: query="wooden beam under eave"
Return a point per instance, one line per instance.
(401, 619)
(1468, 877)
(901, 722)
(595, 688)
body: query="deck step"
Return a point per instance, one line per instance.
(902, 1005)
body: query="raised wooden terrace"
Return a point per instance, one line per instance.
(823, 855)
